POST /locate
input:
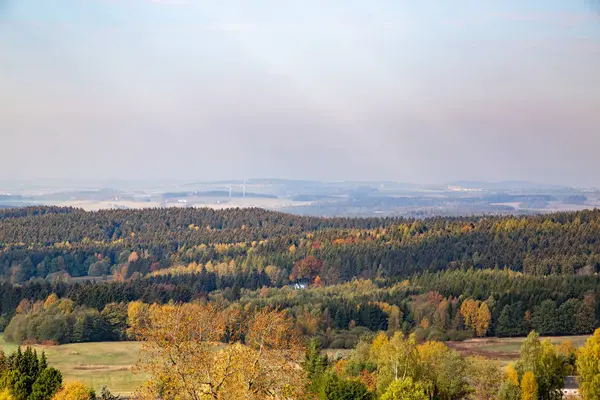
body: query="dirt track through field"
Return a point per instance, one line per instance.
(475, 348)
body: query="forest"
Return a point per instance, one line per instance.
(441, 278)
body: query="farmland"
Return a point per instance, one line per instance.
(95, 364)
(505, 349)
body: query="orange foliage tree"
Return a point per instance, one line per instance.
(307, 268)
(194, 352)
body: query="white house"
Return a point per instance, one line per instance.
(570, 388)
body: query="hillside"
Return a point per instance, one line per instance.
(38, 242)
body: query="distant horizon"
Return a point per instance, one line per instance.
(240, 181)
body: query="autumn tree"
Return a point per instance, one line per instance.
(396, 358)
(137, 317)
(74, 391)
(486, 377)
(307, 268)
(588, 367)
(510, 388)
(51, 301)
(529, 389)
(468, 310)
(483, 319)
(548, 368)
(5, 395)
(183, 354)
(404, 389)
(442, 371)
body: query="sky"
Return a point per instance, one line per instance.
(413, 91)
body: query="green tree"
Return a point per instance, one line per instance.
(115, 316)
(509, 391)
(27, 376)
(315, 364)
(336, 388)
(405, 389)
(442, 371)
(545, 318)
(46, 385)
(585, 319)
(548, 367)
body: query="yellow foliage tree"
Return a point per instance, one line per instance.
(588, 367)
(50, 301)
(317, 282)
(482, 321)
(5, 395)
(73, 391)
(137, 317)
(511, 375)
(468, 310)
(396, 358)
(529, 389)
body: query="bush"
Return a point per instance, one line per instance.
(459, 336)
(437, 335)
(335, 388)
(421, 334)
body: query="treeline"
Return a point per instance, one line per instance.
(58, 321)
(43, 243)
(156, 289)
(551, 305)
(433, 306)
(451, 305)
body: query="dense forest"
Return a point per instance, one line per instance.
(444, 278)
(37, 242)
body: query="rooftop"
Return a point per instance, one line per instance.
(571, 383)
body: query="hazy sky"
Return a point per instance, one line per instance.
(419, 91)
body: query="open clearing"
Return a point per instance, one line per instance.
(95, 364)
(505, 349)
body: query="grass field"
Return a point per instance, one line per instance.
(505, 349)
(95, 364)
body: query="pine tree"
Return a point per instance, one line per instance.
(315, 364)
